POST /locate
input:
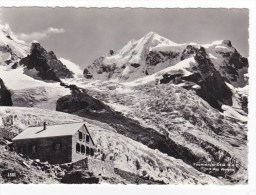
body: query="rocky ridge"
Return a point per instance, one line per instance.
(46, 64)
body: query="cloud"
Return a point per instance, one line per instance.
(55, 30)
(39, 35)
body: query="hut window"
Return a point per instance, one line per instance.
(91, 152)
(78, 149)
(56, 147)
(82, 149)
(87, 138)
(80, 135)
(87, 150)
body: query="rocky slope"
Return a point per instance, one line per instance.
(16, 170)
(212, 87)
(5, 95)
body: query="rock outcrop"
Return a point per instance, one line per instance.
(46, 64)
(188, 52)
(203, 78)
(212, 85)
(80, 177)
(5, 95)
(80, 101)
(229, 62)
(87, 74)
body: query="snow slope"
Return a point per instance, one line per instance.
(236, 110)
(158, 166)
(184, 68)
(78, 72)
(126, 153)
(27, 91)
(10, 47)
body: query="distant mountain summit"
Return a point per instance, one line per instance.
(11, 49)
(36, 61)
(30, 75)
(153, 53)
(132, 61)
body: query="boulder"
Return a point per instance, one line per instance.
(79, 177)
(79, 101)
(188, 52)
(87, 74)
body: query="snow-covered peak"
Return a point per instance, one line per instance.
(218, 42)
(134, 52)
(223, 43)
(5, 29)
(153, 40)
(152, 53)
(151, 34)
(34, 41)
(10, 46)
(134, 59)
(147, 42)
(160, 39)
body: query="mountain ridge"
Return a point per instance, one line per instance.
(153, 53)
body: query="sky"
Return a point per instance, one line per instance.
(84, 34)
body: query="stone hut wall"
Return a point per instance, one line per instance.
(45, 150)
(98, 167)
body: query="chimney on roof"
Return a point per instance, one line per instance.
(44, 126)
